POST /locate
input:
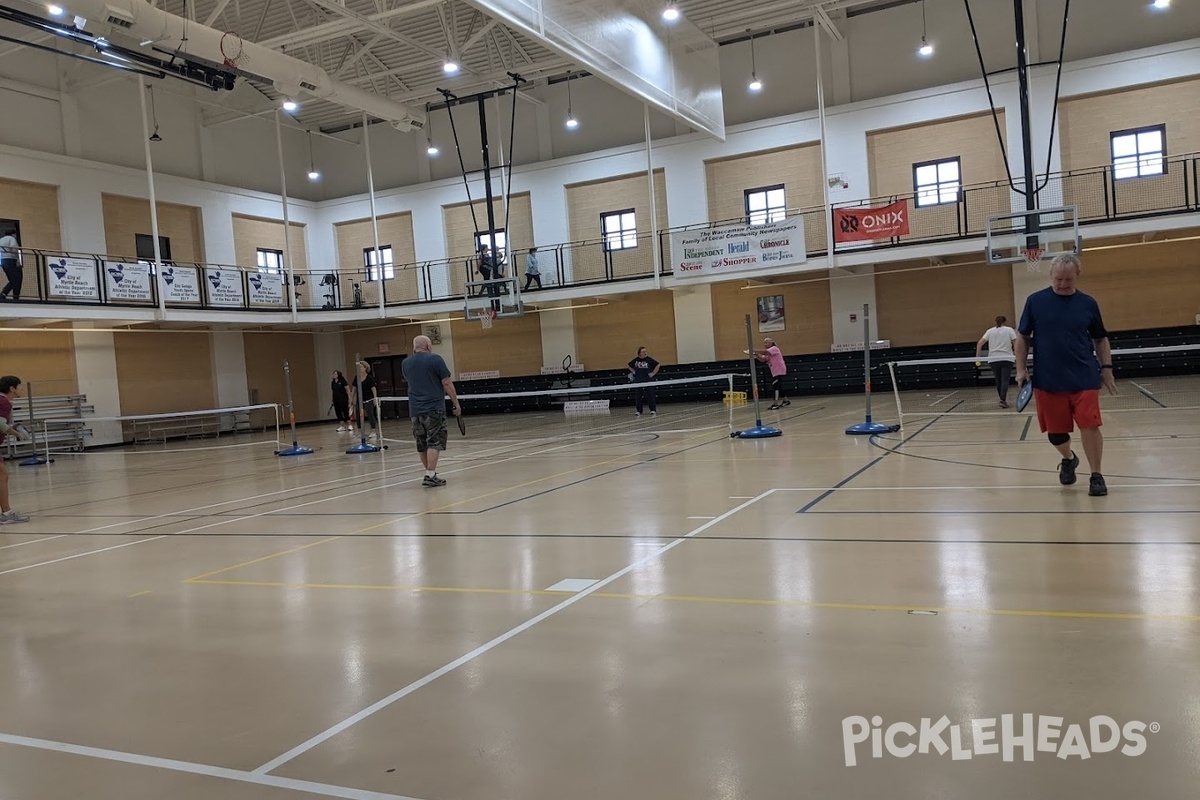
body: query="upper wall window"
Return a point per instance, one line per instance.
(619, 229)
(1140, 152)
(937, 182)
(144, 246)
(373, 264)
(270, 261)
(484, 239)
(765, 204)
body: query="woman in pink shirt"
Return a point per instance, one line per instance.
(773, 358)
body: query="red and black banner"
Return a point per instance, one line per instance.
(868, 224)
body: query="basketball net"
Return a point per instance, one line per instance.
(232, 50)
(1033, 259)
(486, 319)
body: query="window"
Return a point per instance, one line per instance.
(372, 265)
(482, 240)
(144, 245)
(937, 182)
(619, 229)
(1139, 153)
(765, 204)
(270, 261)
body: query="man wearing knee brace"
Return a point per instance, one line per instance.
(1073, 360)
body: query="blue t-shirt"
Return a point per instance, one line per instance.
(1064, 329)
(642, 367)
(424, 373)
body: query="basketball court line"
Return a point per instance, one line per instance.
(715, 600)
(33, 541)
(205, 770)
(378, 706)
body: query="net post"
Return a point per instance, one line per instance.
(34, 460)
(295, 449)
(362, 446)
(759, 431)
(867, 427)
(896, 392)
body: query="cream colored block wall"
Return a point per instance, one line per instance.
(252, 233)
(891, 154)
(587, 201)
(355, 236)
(460, 228)
(797, 168)
(124, 217)
(1086, 124)
(35, 206)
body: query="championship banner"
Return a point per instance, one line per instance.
(183, 284)
(739, 247)
(72, 278)
(266, 288)
(870, 224)
(225, 287)
(128, 282)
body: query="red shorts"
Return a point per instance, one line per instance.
(1057, 410)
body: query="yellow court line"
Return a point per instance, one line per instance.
(406, 517)
(744, 601)
(139, 594)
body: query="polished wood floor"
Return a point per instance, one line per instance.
(609, 607)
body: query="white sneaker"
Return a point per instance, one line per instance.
(13, 517)
(654, 413)
(637, 413)
(341, 428)
(372, 437)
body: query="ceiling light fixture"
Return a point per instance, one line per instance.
(926, 49)
(670, 13)
(571, 122)
(755, 83)
(55, 10)
(450, 67)
(290, 105)
(1161, 4)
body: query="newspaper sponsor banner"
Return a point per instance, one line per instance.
(224, 287)
(869, 224)
(72, 278)
(738, 247)
(183, 284)
(266, 288)
(128, 282)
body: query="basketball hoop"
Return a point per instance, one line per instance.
(233, 50)
(1033, 258)
(486, 319)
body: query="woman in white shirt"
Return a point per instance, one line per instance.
(999, 341)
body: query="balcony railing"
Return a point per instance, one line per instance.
(64, 278)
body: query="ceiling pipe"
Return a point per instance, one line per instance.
(291, 77)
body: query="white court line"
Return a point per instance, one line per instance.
(328, 734)
(241, 776)
(32, 541)
(943, 397)
(81, 555)
(701, 517)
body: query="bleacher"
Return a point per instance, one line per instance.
(821, 373)
(58, 435)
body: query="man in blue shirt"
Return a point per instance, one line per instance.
(1068, 337)
(429, 384)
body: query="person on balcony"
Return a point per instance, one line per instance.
(532, 272)
(10, 261)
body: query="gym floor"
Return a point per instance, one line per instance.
(603, 606)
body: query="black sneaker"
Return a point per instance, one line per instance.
(1096, 486)
(1066, 470)
(774, 407)
(786, 403)
(433, 480)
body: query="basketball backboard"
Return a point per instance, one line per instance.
(1053, 231)
(499, 295)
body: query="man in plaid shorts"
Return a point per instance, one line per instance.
(429, 384)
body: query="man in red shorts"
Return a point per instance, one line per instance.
(1072, 360)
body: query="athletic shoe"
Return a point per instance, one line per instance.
(654, 413)
(774, 407)
(433, 480)
(1097, 487)
(1066, 470)
(637, 413)
(12, 518)
(786, 403)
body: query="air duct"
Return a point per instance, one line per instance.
(290, 76)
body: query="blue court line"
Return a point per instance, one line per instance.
(805, 508)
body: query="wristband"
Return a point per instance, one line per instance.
(1106, 366)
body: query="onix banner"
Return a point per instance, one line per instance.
(869, 224)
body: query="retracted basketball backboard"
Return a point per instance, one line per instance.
(492, 299)
(1040, 234)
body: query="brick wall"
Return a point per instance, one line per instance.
(35, 206)
(356, 235)
(808, 320)
(797, 168)
(919, 304)
(460, 233)
(124, 217)
(587, 201)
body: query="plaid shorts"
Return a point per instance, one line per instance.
(430, 431)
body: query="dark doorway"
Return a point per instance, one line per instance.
(389, 382)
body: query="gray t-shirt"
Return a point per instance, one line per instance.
(424, 373)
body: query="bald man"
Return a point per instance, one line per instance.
(429, 384)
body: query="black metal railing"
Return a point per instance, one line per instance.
(89, 279)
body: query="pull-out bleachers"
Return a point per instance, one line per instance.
(59, 435)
